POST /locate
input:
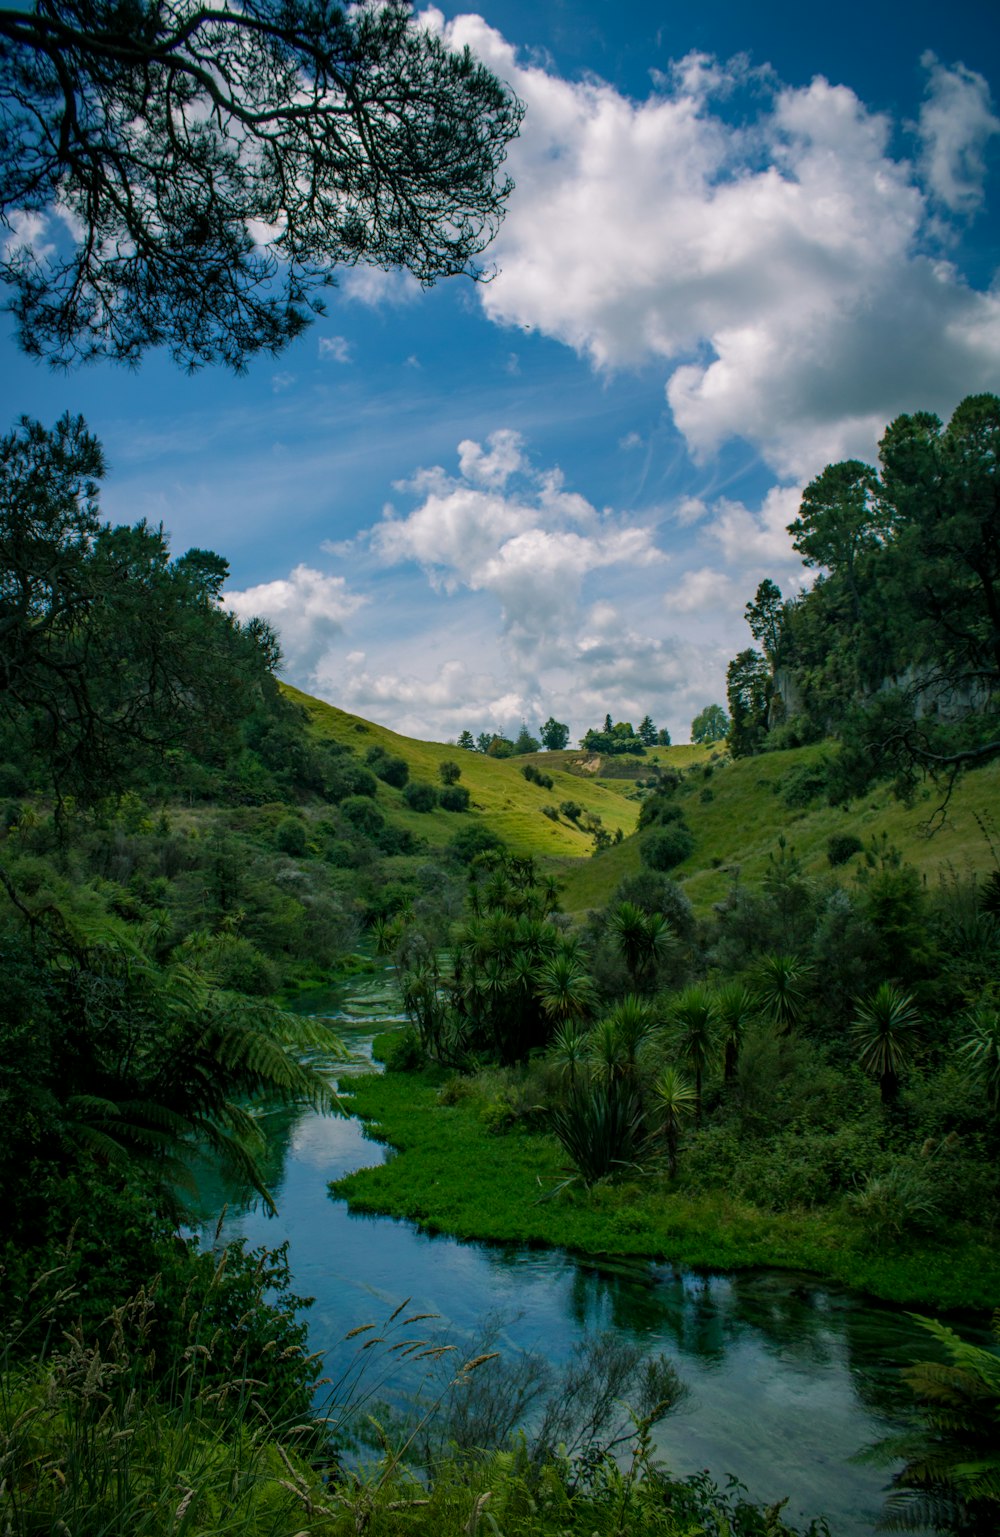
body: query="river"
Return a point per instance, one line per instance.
(787, 1379)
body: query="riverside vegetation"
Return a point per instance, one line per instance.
(779, 1046)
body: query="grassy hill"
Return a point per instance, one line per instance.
(736, 810)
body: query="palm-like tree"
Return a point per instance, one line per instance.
(695, 1021)
(883, 1032)
(781, 987)
(981, 1050)
(570, 1049)
(566, 990)
(617, 1038)
(734, 1010)
(641, 938)
(675, 1098)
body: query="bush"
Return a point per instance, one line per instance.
(842, 847)
(453, 798)
(420, 796)
(363, 814)
(401, 1051)
(664, 847)
(450, 772)
(473, 840)
(804, 784)
(348, 777)
(290, 836)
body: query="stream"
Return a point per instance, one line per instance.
(787, 1379)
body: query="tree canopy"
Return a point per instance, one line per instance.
(897, 646)
(211, 166)
(111, 652)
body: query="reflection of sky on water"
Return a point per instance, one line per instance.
(786, 1381)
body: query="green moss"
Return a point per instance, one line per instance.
(454, 1176)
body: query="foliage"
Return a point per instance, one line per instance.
(554, 735)
(748, 689)
(167, 133)
(421, 796)
(950, 1478)
(601, 1128)
(113, 653)
(841, 847)
(883, 1030)
(661, 848)
(453, 798)
(710, 724)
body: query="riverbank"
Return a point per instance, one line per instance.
(454, 1175)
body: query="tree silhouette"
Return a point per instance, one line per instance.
(213, 165)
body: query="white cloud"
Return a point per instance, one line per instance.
(373, 287)
(494, 468)
(307, 609)
(281, 382)
(778, 268)
(955, 126)
(335, 349)
(520, 536)
(706, 590)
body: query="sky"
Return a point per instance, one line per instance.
(742, 240)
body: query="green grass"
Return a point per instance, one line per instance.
(735, 829)
(454, 1176)
(501, 796)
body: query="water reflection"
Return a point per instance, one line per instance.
(787, 1379)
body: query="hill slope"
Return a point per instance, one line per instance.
(736, 810)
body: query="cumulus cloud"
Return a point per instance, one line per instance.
(955, 126)
(498, 527)
(780, 268)
(308, 610)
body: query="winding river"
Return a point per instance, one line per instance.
(787, 1379)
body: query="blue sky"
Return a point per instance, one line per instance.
(742, 239)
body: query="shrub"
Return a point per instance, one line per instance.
(571, 811)
(420, 796)
(664, 847)
(363, 814)
(450, 772)
(842, 847)
(395, 772)
(802, 785)
(473, 840)
(348, 777)
(551, 812)
(401, 1051)
(290, 836)
(453, 798)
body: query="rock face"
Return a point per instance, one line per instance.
(934, 697)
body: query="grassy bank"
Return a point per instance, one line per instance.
(453, 1175)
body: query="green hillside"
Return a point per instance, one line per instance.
(736, 810)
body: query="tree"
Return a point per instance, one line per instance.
(554, 735)
(525, 742)
(748, 686)
(842, 515)
(883, 1033)
(695, 1021)
(663, 737)
(675, 1100)
(647, 732)
(710, 725)
(112, 653)
(213, 166)
(449, 772)
(466, 741)
(764, 617)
